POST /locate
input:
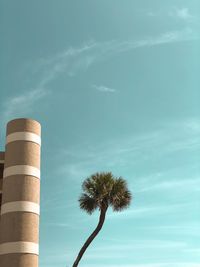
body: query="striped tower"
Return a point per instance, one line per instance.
(21, 190)
(1, 175)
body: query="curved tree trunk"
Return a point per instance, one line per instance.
(91, 237)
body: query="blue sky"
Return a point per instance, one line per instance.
(115, 85)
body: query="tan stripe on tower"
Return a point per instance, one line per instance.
(2, 155)
(21, 195)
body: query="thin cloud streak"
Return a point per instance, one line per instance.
(186, 34)
(48, 70)
(183, 184)
(179, 13)
(124, 250)
(142, 212)
(103, 88)
(22, 104)
(62, 225)
(182, 13)
(138, 244)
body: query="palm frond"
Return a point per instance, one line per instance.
(87, 203)
(121, 201)
(120, 196)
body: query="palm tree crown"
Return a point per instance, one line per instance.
(102, 190)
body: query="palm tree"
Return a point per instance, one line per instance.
(102, 190)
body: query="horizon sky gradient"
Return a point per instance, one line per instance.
(115, 86)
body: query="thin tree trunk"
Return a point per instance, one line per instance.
(91, 237)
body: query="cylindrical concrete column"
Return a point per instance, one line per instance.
(1, 175)
(19, 236)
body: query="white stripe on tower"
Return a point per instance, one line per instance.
(23, 136)
(19, 247)
(21, 170)
(25, 206)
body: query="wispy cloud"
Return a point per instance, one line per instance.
(69, 62)
(129, 151)
(22, 104)
(182, 13)
(75, 59)
(142, 212)
(193, 250)
(44, 71)
(154, 247)
(166, 38)
(62, 225)
(183, 184)
(103, 88)
(183, 228)
(129, 246)
(121, 250)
